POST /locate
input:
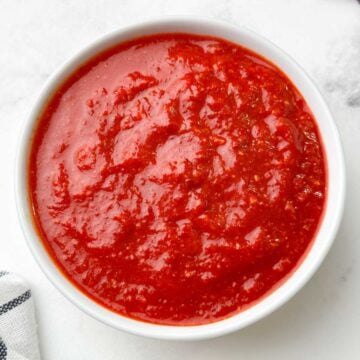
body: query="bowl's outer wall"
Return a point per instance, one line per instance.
(333, 153)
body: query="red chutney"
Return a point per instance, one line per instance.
(177, 179)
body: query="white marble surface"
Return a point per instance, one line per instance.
(323, 320)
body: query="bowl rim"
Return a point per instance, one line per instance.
(336, 179)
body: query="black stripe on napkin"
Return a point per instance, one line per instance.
(2, 273)
(3, 350)
(15, 302)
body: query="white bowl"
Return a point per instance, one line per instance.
(335, 167)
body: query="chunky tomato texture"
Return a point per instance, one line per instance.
(177, 179)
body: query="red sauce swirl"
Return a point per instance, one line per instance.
(177, 179)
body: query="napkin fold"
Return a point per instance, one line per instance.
(18, 337)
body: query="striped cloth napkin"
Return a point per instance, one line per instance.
(18, 338)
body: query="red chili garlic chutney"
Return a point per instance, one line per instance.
(177, 179)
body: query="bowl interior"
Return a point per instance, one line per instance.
(335, 167)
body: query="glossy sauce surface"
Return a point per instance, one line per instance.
(177, 179)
